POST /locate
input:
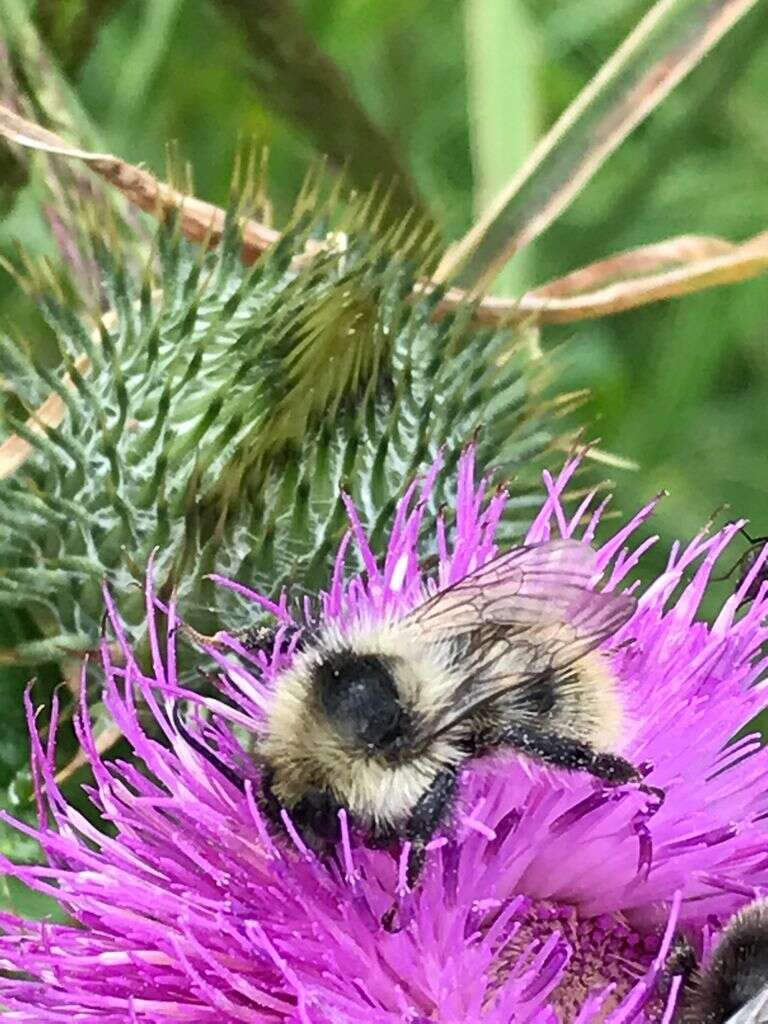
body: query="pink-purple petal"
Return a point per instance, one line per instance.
(192, 911)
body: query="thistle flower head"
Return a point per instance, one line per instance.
(215, 416)
(551, 899)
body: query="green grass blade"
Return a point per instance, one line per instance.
(152, 44)
(502, 69)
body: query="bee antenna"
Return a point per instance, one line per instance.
(731, 571)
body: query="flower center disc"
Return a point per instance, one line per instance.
(605, 952)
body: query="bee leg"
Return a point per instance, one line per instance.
(389, 919)
(575, 755)
(257, 638)
(203, 751)
(262, 638)
(427, 815)
(554, 749)
(683, 962)
(656, 793)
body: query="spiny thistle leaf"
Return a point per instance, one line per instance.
(222, 412)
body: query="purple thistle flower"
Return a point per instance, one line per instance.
(554, 898)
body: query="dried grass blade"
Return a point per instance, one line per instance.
(652, 273)
(668, 43)
(103, 742)
(15, 450)
(199, 221)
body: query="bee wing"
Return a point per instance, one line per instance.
(525, 616)
(755, 1012)
(532, 594)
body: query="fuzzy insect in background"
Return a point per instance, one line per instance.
(732, 987)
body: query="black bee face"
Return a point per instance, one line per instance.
(359, 697)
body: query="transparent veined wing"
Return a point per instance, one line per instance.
(524, 584)
(531, 596)
(755, 1012)
(523, 618)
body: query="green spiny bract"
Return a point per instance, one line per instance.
(225, 410)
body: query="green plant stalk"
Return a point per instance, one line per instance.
(301, 83)
(70, 28)
(503, 61)
(152, 43)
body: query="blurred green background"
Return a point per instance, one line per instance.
(464, 89)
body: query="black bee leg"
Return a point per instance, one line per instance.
(428, 814)
(262, 638)
(257, 638)
(682, 962)
(204, 752)
(656, 793)
(577, 756)
(389, 919)
(560, 751)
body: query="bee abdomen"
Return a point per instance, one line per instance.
(540, 697)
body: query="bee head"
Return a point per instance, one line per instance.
(359, 697)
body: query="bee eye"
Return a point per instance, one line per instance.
(359, 696)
